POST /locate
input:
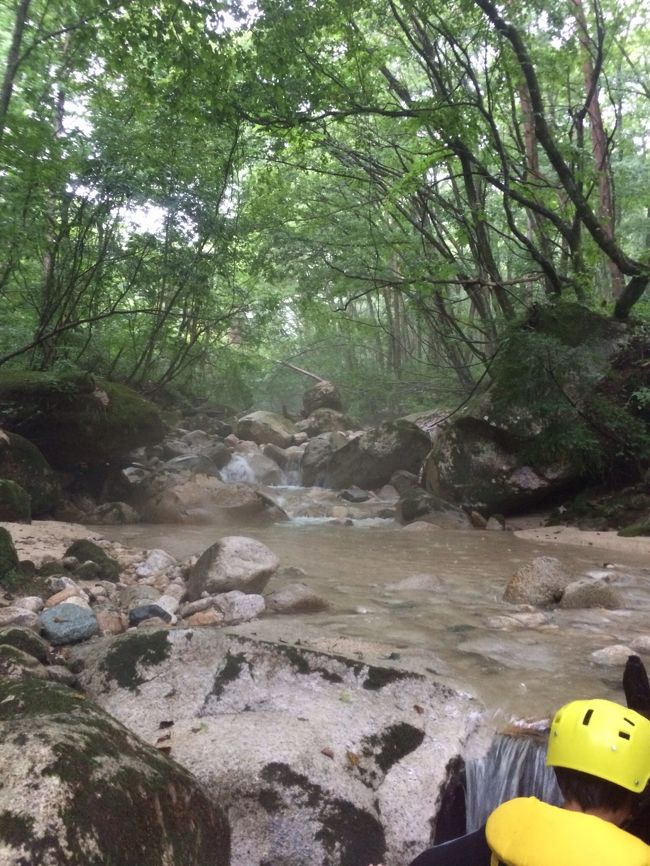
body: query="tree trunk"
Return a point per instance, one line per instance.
(599, 141)
(13, 62)
(639, 272)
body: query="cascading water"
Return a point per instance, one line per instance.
(514, 766)
(238, 471)
(292, 473)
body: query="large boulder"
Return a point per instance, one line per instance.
(196, 443)
(266, 427)
(325, 421)
(322, 395)
(23, 463)
(476, 462)
(319, 759)
(202, 499)
(75, 419)
(234, 562)
(78, 788)
(316, 456)
(369, 460)
(417, 504)
(563, 406)
(540, 582)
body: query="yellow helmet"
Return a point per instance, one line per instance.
(603, 739)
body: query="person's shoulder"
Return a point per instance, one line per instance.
(526, 830)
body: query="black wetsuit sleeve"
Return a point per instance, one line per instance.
(470, 850)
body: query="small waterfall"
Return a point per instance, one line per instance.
(292, 473)
(514, 766)
(238, 471)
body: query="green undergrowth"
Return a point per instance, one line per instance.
(571, 383)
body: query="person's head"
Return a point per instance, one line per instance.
(600, 752)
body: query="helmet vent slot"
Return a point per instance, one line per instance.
(629, 721)
(624, 735)
(587, 717)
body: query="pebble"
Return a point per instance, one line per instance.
(168, 603)
(111, 622)
(205, 617)
(64, 595)
(154, 622)
(156, 562)
(192, 607)
(177, 589)
(142, 612)
(59, 582)
(14, 615)
(32, 602)
(138, 595)
(79, 600)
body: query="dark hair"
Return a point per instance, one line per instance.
(591, 792)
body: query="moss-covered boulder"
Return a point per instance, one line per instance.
(25, 640)
(8, 556)
(15, 502)
(22, 463)
(566, 407)
(15, 664)
(87, 551)
(76, 419)
(78, 788)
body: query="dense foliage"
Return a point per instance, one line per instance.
(207, 196)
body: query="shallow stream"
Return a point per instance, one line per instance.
(426, 599)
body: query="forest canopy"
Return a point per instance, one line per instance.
(203, 196)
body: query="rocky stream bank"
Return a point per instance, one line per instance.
(165, 695)
(129, 678)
